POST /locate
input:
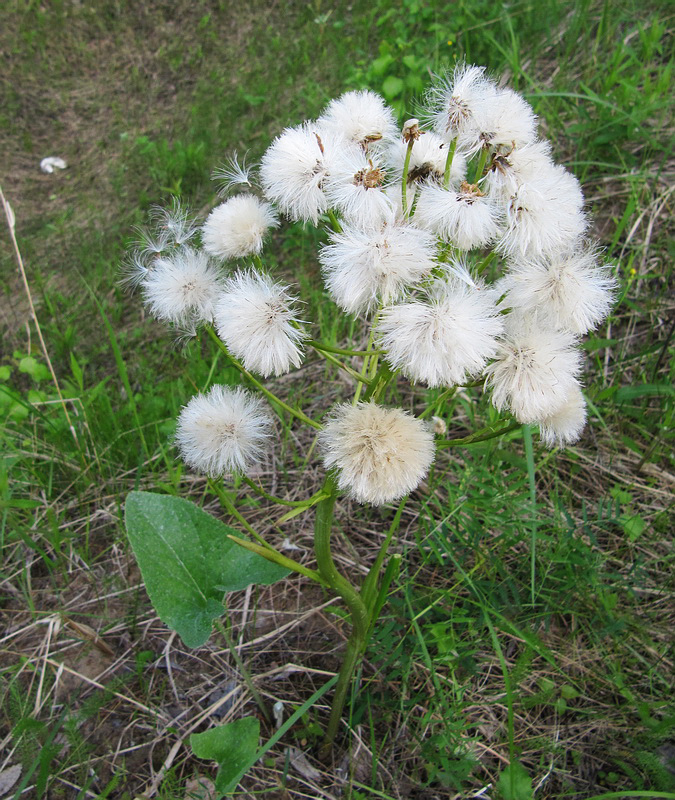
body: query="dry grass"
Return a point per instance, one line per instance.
(83, 655)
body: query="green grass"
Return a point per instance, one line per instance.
(532, 616)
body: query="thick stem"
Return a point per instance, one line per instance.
(404, 182)
(480, 166)
(353, 653)
(359, 613)
(448, 163)
(324, 559)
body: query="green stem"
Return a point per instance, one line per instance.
(480, 166)
(277, 558)
(229, 506)
(278, 500)
(369, 588)
(404, 182)
(370, 354)
(324, 559)
(448, 163)
(485, 263)
(434, 407)
(360, 617)
(340, 365)
(334, 221)
(482, 435)
(294, 412)
(258, 262)
(328, 348)
(353, 653)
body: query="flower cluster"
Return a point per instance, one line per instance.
(460, 242)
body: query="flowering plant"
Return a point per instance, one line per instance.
(460, 249)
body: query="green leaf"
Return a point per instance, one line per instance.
(644, 390)
(633, 525)
(188, 563)
(514, 783)
(34, 368)
(232, 746)
(392, 86)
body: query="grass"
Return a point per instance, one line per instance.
(531, 620)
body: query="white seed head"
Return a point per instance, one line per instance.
(355, 188)
(237, 227)
(544, 216)
(295, 168)
(535, 371)
(515, 166)
(465, 218)
(255, 318)
(381, 454)
(506, 120)
(457, 102)
(223, 431)
(361, 117)
(571, 291)
(363, 266)
(446, 340)
(182, 287)
(567, 424)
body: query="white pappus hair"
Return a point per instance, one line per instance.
(223, 431)
(182, 287)
(237, 227)
(535, 370)
(445, 340)
(380, 454)
(295, 168)
(255, 318)
(570, 290)
(363, 266)
(361, 117)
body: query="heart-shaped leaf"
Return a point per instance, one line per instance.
(188, 562)
(233, 746)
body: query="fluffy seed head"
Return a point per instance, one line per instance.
(236, 228)
(182, 287)
(364, 266)
(361, 117)
(535, 371)
(571, 291)
(255, 318)
(466, 218)
(506, 120)
(446, 340)
(355, 188)
(380, 453)
(544, 216)
(566, 425)
(511, 167)
(175, 223)
(223, 431)
(457, 102)
(295, 168)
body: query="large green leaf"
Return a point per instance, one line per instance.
(515, 782)
(233, 746)
(188, 563)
